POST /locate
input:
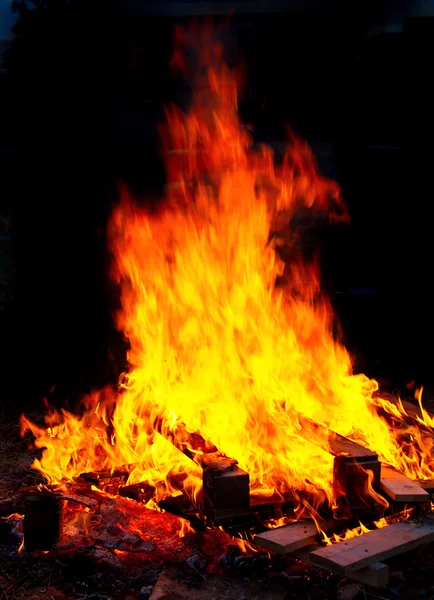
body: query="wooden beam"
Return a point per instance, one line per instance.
(333, 442)
(400, 488)
(427, 485)
(226, 494)
(413, 410)
(193, 445)
(353, 464)
(360, 552)
(287, 539)
(300, 539)
(226, 487)
(376, 575)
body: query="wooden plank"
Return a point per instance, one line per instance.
(381, 544)
(348, 450)
(413, 410)
(400, 488)
(336, 444)
(193, 445)
(353, 465)
(226, 494)
(355, 470)
(427, 484)
(376, 575)
(287, 539)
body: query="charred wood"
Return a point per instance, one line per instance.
(226, 494)
(109, 480)
(43, 520)
(193, 445)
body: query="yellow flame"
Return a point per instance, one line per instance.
(230, 334)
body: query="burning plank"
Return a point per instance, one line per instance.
(412, 411)
(226, 487)
(400, 488)
(284, 540)
(193, 445)
(356, 470)
(298, 540)
(359, 552)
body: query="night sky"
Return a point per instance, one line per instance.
(6, 19)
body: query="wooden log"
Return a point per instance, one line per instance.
(359, 552)
(400, 488)
(376, 575)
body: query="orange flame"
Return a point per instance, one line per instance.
(348, 535)
(229, 331)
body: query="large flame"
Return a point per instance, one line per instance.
(229, 331)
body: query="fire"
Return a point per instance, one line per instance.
(348, 535)
(230, 334)
(352, 533)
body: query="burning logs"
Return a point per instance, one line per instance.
(109, 481)
(193, 445)
(381, 544)
(226, 493)
(226, 487)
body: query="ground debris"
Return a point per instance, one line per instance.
(349, 591)
(175, 584)
(146, 591)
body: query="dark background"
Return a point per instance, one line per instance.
(82, 90)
